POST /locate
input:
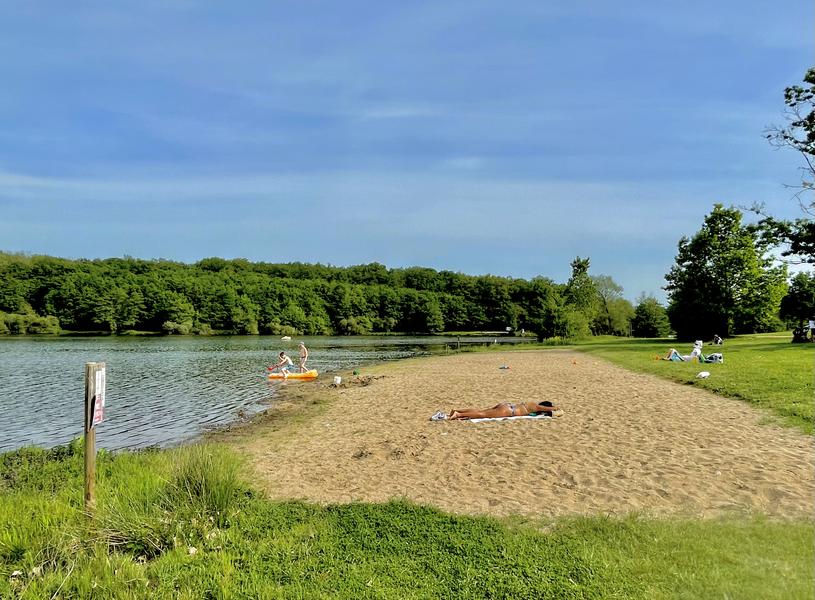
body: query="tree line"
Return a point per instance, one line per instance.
(41, 294)
(725, 281)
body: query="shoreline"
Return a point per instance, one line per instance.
(626, 443)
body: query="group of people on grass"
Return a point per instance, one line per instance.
(285, 363)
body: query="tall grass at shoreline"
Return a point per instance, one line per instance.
(182, 524)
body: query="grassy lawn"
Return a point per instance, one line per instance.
(765, 370)
(182, 524)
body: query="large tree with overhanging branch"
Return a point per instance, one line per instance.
(798, 134)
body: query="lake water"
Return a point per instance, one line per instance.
(165, 390)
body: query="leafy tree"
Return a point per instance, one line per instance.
(799, 303)
(13, 293)
(722, 281)
(542, 300)
(384, 302)
(454, 311)
(355, 326)
(566, 322)
(421, 278)
(370, 274)
(348, 305)
(799, 135)
(176, 307)
(432, 320)
(244, 316)
(613, 312)
(421, 312)
(493, 296)
(580, 292)
(620, 313)
(650, 319)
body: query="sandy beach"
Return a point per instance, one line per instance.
(625, 442)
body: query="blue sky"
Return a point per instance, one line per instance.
(482, 137)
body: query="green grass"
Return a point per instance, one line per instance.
(765, 370)
(181, 524)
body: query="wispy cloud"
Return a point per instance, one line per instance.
(398, 112)
(464, 162)
(459, 134)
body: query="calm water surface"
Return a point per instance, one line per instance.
(165, 390)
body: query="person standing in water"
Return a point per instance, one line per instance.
(303, 357)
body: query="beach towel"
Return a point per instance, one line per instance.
(540, 416)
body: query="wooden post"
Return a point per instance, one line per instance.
(94, 395)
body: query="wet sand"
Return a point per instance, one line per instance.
(626, 442)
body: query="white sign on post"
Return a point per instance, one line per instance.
(99, 399)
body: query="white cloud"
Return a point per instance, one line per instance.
(464, 162)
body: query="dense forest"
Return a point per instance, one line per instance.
(41, 294)
(725, 281)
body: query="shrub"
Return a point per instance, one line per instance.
(32, 469)
(44, 325)
(201, 329)
(16, 324)
(355, 326)
(650, 319)
(171, 327)
(204, 479)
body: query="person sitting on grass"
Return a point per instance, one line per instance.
(283, 365)
(505, 409)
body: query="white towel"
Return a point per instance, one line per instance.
(541, 416)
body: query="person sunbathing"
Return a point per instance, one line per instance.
(675, 356)
(505, 409)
